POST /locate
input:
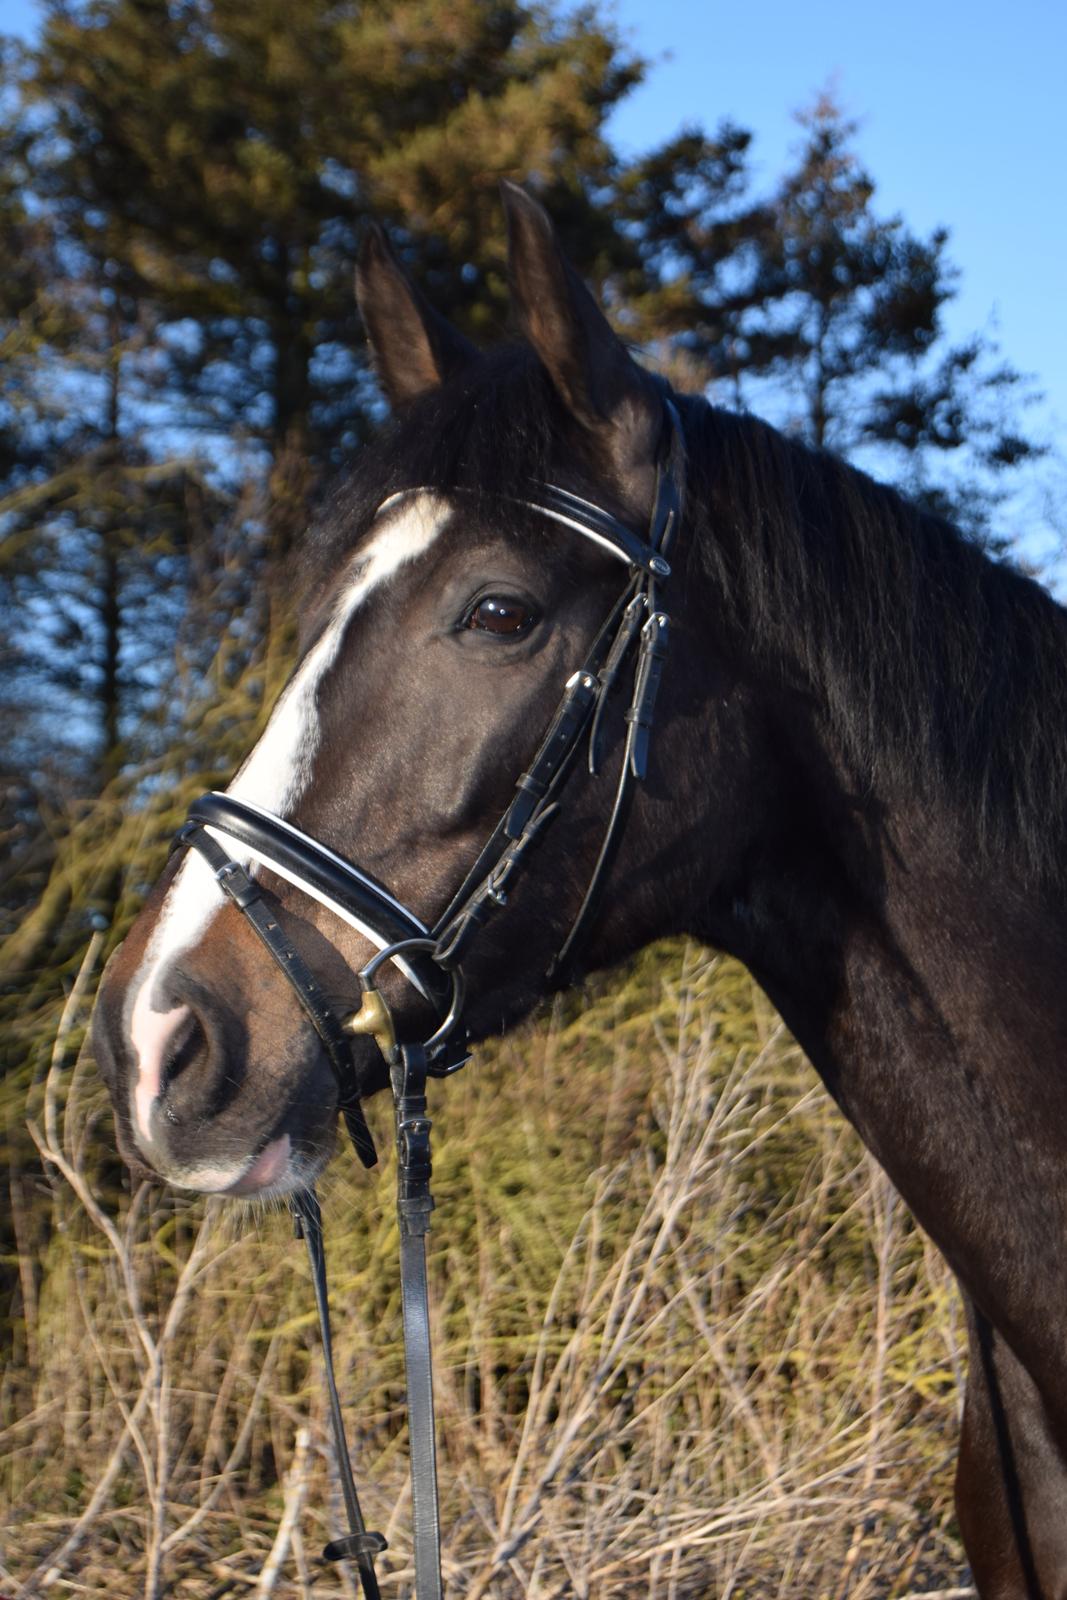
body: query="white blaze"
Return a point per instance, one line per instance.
(274, 775)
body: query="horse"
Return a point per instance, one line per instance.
(858, 788)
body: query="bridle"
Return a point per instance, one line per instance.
(430, 958)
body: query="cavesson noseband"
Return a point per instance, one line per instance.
(635, 630)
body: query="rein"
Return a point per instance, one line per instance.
(636, 628)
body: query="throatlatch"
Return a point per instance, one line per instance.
(636, 628)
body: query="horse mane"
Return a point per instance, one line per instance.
(942, 671)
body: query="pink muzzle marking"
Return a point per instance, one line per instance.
(265, 1170)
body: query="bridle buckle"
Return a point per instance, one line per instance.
(373, 1019)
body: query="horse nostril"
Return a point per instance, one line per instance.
(183, 1047)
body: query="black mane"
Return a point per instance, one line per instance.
(942, 671)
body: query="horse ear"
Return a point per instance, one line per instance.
(615, 403)
(414, 348)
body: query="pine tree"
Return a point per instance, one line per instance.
(847, 324)
(235, 148)
(93, 531)
(695, 224)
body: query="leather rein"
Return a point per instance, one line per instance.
(634, 632)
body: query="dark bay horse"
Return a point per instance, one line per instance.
(858, 787)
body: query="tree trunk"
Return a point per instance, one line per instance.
(110, 579)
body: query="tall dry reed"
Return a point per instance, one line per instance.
(689, 1343)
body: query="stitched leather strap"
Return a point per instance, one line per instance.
(346, 889)
(358, 1545)
(248, 898)
(408, 1073)
(414, 1205)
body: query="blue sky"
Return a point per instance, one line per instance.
(963, 123)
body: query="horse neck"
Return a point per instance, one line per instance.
(927, 986)
(882, 930)
(884, 918)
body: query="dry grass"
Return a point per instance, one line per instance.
(689, 1343)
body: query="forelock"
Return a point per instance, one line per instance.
(493, 427)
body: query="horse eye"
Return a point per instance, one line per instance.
(501, 615)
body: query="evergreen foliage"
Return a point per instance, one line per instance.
(815, 308)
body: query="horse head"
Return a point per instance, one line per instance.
(441, 616)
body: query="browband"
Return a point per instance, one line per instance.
(591, 521)
(583, 517)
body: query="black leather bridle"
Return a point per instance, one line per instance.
(635, 631)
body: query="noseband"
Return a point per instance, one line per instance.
(634, 632)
